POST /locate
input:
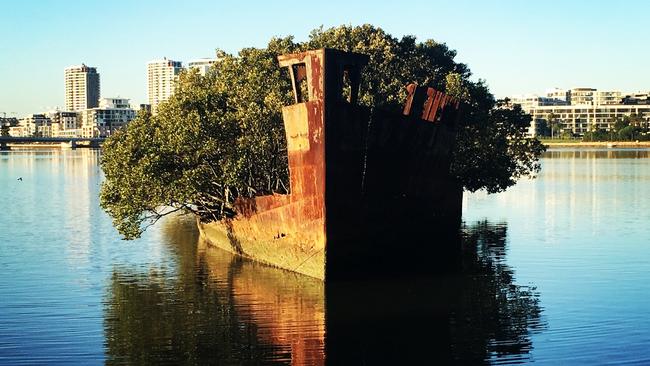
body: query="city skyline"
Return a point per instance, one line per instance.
(515, 48)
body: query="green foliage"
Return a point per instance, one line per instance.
(566, 134)
(628, 133)
(627, 128)
(553, 123)
(393, 63)
(633, 120)
(221, 136)
(598, 134)
(218, 138)
(543, 129)
(492, 150)
(620, 124)
(494, 154)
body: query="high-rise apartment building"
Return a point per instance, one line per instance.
(81, 88)
(161, 80)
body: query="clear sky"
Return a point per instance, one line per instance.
(518, 46)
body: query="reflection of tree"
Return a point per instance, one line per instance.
(152, 321)
(174, 318)
(204, 311)
(470, 316)
(215, 308)
(494, 317)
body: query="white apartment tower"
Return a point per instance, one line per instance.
(161, 80)
(81, 88)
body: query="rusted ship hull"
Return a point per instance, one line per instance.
(365, 187)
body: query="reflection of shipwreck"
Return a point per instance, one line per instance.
(365, 187)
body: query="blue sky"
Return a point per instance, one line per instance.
(517, 46)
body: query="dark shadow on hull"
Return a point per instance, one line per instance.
(392, 207)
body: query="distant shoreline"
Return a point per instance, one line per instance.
(603, 144)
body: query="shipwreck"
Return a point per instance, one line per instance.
(370, 191)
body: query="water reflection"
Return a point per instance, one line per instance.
(508, 314)
(571, 153)
(475, 315)
(66, 180)
(213, 308)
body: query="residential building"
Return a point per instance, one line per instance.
(145, 107)
(102, 121)
(32, 125)
(578, 119)
(8, 121)
(528, 102)
(202, 64)
(559, 94)
(580, 110)
(67, 119)
(17, 131)
(161, 80)
(637, 98)
(116, 103)
(608, 97)
(582, 96)
(65, 123)
(81, 88)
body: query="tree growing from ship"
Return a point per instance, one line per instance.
(221, 137)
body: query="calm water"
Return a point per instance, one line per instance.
(556, 270)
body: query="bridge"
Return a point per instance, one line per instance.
(66, 142)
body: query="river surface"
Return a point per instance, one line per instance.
(554, 271)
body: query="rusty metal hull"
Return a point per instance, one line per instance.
(362, 186)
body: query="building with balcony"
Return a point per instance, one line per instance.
(580, 110)
(582, 96)
(637, 98)
(33, 125)
(578, 119)
(65, 123)
(8, 122)
(112, 114)
(81, 88)
(562, 95)
(528, 102)
(68, 120)
(161, 80)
